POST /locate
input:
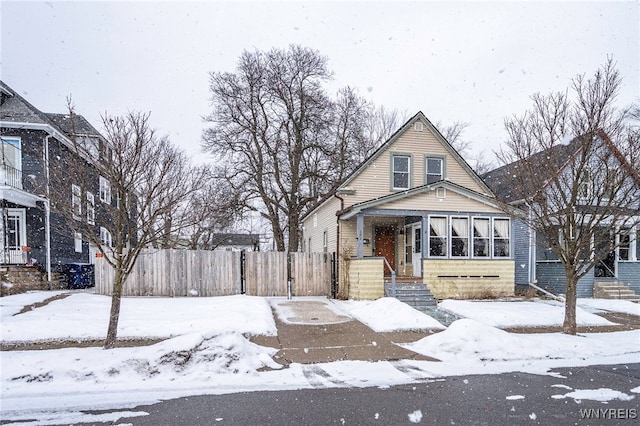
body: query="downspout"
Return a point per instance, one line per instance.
(47, 211)
(338, 240)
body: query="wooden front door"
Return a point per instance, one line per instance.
(385, 245)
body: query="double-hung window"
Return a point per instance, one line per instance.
(76, 203)
(401, 169)
(77, 242)
(459, 236)
(434, 169)
(481, 237)
(105, 190)
(624, 246)
(438, 236)
(105, 237)
(501, 238)
(91, 209)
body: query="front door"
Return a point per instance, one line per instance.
(417, 251)
(15, 237)
(606, 267)
(385, 245)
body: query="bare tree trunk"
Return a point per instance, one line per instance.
(569, 325)
(116, 296)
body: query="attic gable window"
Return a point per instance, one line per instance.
(401, 165)
(434, 169)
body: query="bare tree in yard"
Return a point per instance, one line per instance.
(282, 141)
(453, 133)
(145, 179)
(568, 170)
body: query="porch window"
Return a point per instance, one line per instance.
(501, 240)
(401, 167)
(481, 237)
(459, 236)
(434, 169)
(624, 246)
(105, 190)
(76, 203)
(91, 209)
(417, 233)
(438, 236)
(408, 247)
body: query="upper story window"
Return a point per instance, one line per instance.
(434, 169)
(76, 202)
(105, 237)
(401, 165)
(90, 144)
(105, 190)
(91, 209)
(11, 162)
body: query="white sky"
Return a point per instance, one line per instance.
(456, 61)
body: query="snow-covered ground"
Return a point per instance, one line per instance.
(206, 350)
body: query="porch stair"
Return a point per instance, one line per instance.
(614, 289)
(414, 294)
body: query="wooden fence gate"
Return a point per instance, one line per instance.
(172, 273)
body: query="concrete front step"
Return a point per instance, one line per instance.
(416, 295)
(613, 290)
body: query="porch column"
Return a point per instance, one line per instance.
(425, 236)
(359, 236)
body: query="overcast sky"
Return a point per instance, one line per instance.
(456, 61)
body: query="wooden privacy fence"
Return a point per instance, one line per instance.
(172, 273)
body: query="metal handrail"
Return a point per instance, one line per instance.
(393, 277)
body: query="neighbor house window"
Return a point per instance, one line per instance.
(481, 237)
(76, 203)
(325, 241)
(434, 169)
(624, 247)
(501, 239)
(91, 209)
(438, 236)
(11, 161)
(401, 166)
(459, 236)
(77, 242)
(585, 187)
(105, 190)
(105, 237)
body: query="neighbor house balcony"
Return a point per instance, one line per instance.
(12, 190)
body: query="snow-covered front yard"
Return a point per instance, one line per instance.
(206, 349)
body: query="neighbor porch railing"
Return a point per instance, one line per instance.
(393, 277)
(10, 176)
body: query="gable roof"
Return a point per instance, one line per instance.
(235, 240)
(419, 116)
(353, 210)
(16, 111)
(551, 162)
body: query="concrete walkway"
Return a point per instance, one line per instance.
(313, 331)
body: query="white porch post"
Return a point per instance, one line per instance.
(424, 239)
(359, 236)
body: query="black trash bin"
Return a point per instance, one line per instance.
(80, 275)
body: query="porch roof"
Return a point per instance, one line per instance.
(355, 209)
(18, 196)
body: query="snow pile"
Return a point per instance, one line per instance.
(85, 316)
(505, 314)
(468, 339)
(198, 356)
(601, 394)
(390, 314)
(595, 306)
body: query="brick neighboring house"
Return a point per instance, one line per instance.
(415, 210)
(33, 144)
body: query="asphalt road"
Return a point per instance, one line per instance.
(505, 399)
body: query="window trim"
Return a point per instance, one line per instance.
(409, 158)
(446, 244)
(76, 201)
(488, 237)
(443, 167)
(493, 238)
(451, 238)
(105, 190)
(91, 208)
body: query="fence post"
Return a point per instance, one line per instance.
(334, 282)
(243, 279)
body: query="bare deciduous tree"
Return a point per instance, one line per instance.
(144, 179)
(567, 169)
(282, 142)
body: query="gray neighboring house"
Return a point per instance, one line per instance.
(535, 262)
(32, 144)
